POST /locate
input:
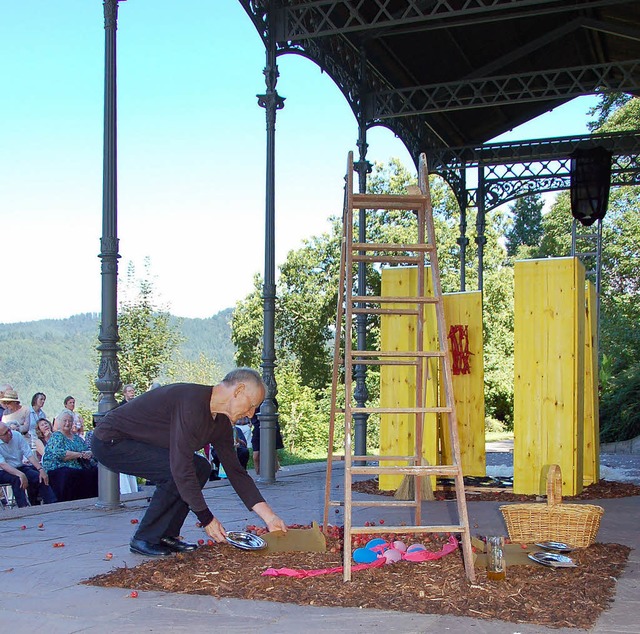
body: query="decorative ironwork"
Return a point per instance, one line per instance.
(485, 92)
(309, 19)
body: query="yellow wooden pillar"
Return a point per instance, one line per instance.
(591, 469)
(549, 327)
(468, 389)
(397, 383)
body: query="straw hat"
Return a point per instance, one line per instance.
(10, 395)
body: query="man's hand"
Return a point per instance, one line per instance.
(216, 531)
(24, 483)
(44, 476)
(276, 524)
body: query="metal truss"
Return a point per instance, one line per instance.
(484, 92)
(512, 170)
(309, 19)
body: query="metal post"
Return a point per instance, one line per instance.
(361, 394)
(108, 380)
(463, 241)
(271, 102)
(481, 240)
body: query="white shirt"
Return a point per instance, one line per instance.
(14, 451)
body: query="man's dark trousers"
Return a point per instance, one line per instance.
(167, 511)
(36, 488)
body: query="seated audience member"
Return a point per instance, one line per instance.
(30, 478)
(67, 460)
(3, 388)
(240, 443)
(255, 441)
(128, 393)
(35, 414)
(43, 433)
(78, 426)
(15, 415)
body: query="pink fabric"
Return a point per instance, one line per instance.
(420, 555)
(301, 574)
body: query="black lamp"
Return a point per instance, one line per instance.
(590, 182)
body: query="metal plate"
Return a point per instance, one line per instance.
(555, 560)
(246, 541)
(559, 547)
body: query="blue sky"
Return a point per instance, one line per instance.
(191, 151)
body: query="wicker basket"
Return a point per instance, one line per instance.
(573, 524)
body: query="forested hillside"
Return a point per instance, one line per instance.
(57, 356)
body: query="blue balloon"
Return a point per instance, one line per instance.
(364, 556)
(375, 542)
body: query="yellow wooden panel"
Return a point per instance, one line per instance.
(468, 389)
(549, 372)
(591, 471)
(398, 383)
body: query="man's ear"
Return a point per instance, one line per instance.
(238, 390)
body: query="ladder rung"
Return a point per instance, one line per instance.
(397, 259)
(376, 299)
(388, 201)
(426, 470)
(386, 362)
(397, 353)
(445, 528)
(384, 311)
(376, 458)
(383, 503)
(400, 410)
(420, 247)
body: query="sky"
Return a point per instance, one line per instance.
(191, 152)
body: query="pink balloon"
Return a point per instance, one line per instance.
(398, 545)
(392, 555)
(415, 547)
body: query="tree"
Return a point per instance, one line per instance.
(525, 228)
(148, 337)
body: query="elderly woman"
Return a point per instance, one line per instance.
(68, 462)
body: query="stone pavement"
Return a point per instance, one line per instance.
(40, 585)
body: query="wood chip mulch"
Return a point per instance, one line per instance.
(604, 489)
(566, 597)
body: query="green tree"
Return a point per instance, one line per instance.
(525, 226)
(149, 336)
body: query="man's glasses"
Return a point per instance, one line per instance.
(6, 432)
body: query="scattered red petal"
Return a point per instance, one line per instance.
(210, 542)
(23, 528)
(134, 521)
(201, 541)
(133, 594)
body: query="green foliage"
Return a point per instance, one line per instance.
(525, 226)
(620, 406)
(605, 111)
(203, 370)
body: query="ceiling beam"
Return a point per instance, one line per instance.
(321, 18)
(564, 83)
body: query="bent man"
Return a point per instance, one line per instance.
(156, 436)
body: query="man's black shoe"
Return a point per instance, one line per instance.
(177, 546)
(148, 549)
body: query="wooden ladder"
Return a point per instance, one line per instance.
(421, 255)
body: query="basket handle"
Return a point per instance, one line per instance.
(554, 485)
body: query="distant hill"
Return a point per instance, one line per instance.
(56, 356)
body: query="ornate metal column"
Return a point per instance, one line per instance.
(361, 394)
(463, 241)
(481, 240)
(108, 380)
(271, 102)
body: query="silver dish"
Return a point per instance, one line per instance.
(246, 541)
(555, 560)
(559, 547)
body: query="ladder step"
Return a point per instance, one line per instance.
(377, 299)
(389, 201)
(393, 259)
(385, 311)
(419, 247)
(423, 470)
(401, 410)
(444, 528)
(401, 354)
(371, 458)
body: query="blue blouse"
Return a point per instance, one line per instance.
(56, 449)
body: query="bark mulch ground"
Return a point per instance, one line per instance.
(566, 597)
(604, 489)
